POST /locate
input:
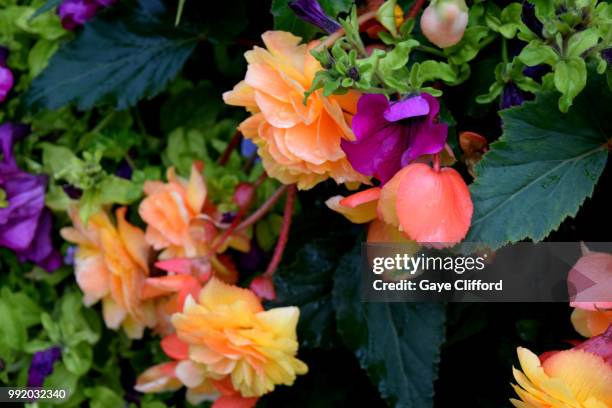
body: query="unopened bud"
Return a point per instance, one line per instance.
(263, 287)
(243, 195)
(443, 22)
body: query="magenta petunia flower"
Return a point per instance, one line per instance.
(75, 13)
(6, 75)
(390, 135)
(25, 223)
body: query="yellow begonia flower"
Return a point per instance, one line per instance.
(229, 333)
(572, 378)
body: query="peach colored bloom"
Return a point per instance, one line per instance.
(572, 378)
(229, 334)
(297, 143)
(185, 226)
(111, 264)
(590, 323)
(418, 204)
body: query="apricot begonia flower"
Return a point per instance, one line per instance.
(229, 334)
(111, 264)
(590, 323)
(297, 143)
(428, 206)
(580, 377)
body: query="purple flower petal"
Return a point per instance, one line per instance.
(6, 82)
(407, 108)
(370, 115)
(311, 12)
(74, 13)
(426, 138)
(390, 136)
(25, 225)
(42, 365)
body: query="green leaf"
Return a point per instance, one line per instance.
(114, 60)
(570, 79)
(536, 52)
(78, 359)
(102, 397)
(49, 4)
(398, 344)
(306, 281)
(542, 168)
(386, 16)
(14, 333)
(185, 146)
(582, 42)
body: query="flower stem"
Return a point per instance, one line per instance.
(263, 210)
(233, 144)
(416, 7)
(329, 41)
(284, 233)
(436, 162)
(430, 50)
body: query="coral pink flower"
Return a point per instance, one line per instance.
(111, 264)
(433, 206)
(297, 143)
(591, 279)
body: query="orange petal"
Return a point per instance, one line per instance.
(234, 401)
(434, 206)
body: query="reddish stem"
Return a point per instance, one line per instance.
(233, 144)
(416, 7)
(284, 233)
(263, 210)
(436, 162)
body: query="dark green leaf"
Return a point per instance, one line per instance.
(50, 4)
(542, 168)
(117, 61)
(398, 344)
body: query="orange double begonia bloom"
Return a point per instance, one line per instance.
(111, 264)
(297, 143)
(229, 334)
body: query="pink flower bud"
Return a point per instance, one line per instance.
(443, 22)
(263, 287)
(243, 195)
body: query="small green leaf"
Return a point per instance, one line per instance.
(582, 42)
(570, 79)
(386, 16)
(103, 397)
(78, 359)
(536, 52)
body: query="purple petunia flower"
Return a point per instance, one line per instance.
(6, 75)
(530, 19)
(42, 365)
(25, 224)
(311, 12)
(75, 13)
(390, 135)
(513, 96)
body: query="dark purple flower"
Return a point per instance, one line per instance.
(390, 135)
(6, 75)
(73, 192)
(311, 12)
(74, 13)
(513, 96)
(124, 170)
(42, 365)
(105, 3)
(607, 55)
(25, 224)
(530, 19)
